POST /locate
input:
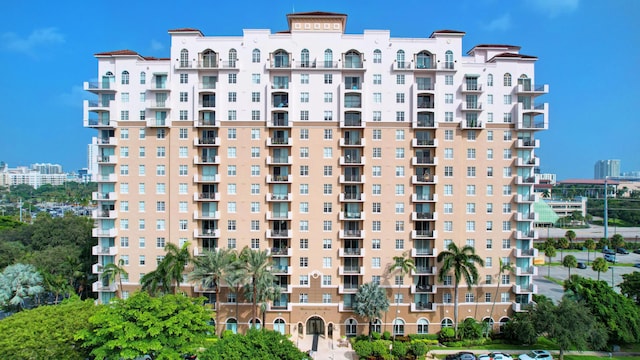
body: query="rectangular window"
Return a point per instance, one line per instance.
(304, 244)
(377, 79)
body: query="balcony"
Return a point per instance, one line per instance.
(424, 123)
(417, 198)
(418, 307)
(352, 142)
(99, 286)
(530, 89)
(199, 251)
(352, 197)
(424, 160)
(158, 105)
(280, 252)
(351, 270)
(279, 306)
(206, 123)
(206, 141)
(278, 197)
(424, 216)
(532, 216)
(527, 271)
(206, 178)
(422, 104)
(281, 270)
(104, 214)
(352, 160)
(532, 161)
(279, 160)
(472, 124)
(111, 141)
(525, 198)
(279, 178)
(206, 160)
(95, 232)
(97, 268)
(98, 87)
(211, 215)
(98, 105)
(424, 289)
(471, 88)
(279, 141)
(279, 215)
(158, 122)
(424, 234)
(424, 252)
(278, 233)
(211, 85)
(201, 289)
(528, 143)
(518, 307)
(402, 65)
(98, 123)
(206, 233)
(471, 106)
(352, 215)
(104, 250)
(420, 270)
(352, 123)
(347, 289)
(351, 252)
(424, 179)
(525, 289)
(521, 253)
(95, 196)
(107, 159)
(351, 234)
(351, 179)
(417, 143)
(279, 123)
(532, 234)
(206, 196)
(529, 180)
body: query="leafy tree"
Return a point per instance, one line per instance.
(503, 268)
(167, 326)
(600, 265)
(569, 262)
(371, 301)
(549, 252)
(617, 241)
(47, 332)
(563, 243)
(603, 242)
(590, 245)
(255, 264)
(9, 222)
(56, 284)
(404, 265)
(462, 261)
(17, 283)
(571, 235)
(236, 278)
(630, 286)
(114, 271)
(209, 269)
(470, 329)
(255, 344)
(520, 329)
(616, 312)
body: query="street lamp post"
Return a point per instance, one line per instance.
(612, 281)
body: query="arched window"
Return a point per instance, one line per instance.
(125, 78)
(377, 56)
(304, 58)
(525, 82)
(351, 327)
(377, 326)
(446, 322)
(423, 326)
(107, 79)
(143, 78)
(448, 59)
(184, 58)
(423, 60)
(398, 327)
(490, 80)
(507, 79)
(503, 322)
(281, 59)
(233, 57)
(255, 56)
(352, 60)
(255, 324)
(279, 326)
(487, 325)
(328, 58)
(209, 59)
(400, 59)
(232, 324)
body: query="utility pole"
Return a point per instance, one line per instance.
(606, 210)
(20, 203)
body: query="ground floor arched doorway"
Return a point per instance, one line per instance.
(315, 325)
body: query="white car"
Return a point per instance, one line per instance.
(495, 356)
(537, 355)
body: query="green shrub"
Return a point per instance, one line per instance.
(386, 335)
(363, 348)
(380, 348)
(226, 333)
(376, 335)
(447, 334)
(470, 329)
(423, 336)
(399, 349)
(418, 348)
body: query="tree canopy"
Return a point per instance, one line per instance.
(371, 301)
(630, 286)
(256, 344)
(17, 283)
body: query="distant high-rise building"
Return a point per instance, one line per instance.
(92, 159)
(606, 168)
(47, 168)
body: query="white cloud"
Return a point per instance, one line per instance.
(30, 44)
(554, 8)
(73, 98)
(502, 23)
(156, 45)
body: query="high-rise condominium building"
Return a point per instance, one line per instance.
(335, 153)
(606, 168)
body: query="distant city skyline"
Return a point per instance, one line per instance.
(46, 59)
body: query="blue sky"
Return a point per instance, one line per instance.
(589, 54)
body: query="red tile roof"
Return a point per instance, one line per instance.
(316, 13)
(445, 31)
(118, 52)
(512, 56)
(186, 30)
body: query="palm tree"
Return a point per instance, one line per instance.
(175, 261)
(371, 301)
(112, 272)
(617, 241)
(563, 243)
(503, 268)
(235, 278)
(404, 265)
(549, 252)
(463, 264)
(600, 265)
(155, 280)
(267, 291)
(256, 265)
(17, 283)
(210, 268)
(590, 245)
(569, 262)
(571, 235)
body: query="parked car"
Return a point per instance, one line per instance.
(537, 355)
(622, 251)
(463, 355)
(608, 251)
(610, 258)
(636, 265)
(581, 265)
(636, 251)
(495, 356)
